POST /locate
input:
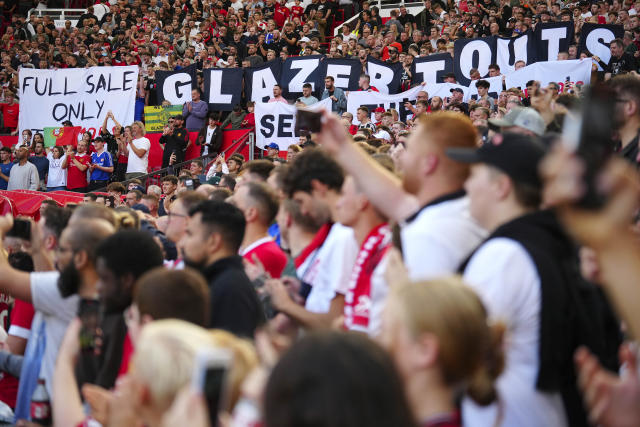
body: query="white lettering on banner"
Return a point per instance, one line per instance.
(503, 57)
(553, 36)
(276, 122)
(466, 57)
(306, 67)
(215, 89)
(177, 88)
(81, 95)
(595, 42)
(338, 72)
(262, 85)
(380, 77)
(430, 70)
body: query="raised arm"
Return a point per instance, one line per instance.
(382, 187)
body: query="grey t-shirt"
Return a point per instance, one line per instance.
(57, 313)
(23, 177)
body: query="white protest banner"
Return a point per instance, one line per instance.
(276, 122)
(81, 95)
(372, 100)
(443, 90)
(575, 71)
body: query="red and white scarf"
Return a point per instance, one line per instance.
(357, 303)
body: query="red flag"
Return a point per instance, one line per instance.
(63, 135)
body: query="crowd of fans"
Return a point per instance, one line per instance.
(435, 272)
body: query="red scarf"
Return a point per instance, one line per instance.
(357, 302)
(317, 241)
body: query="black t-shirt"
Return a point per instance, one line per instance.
(625, 63)
(152, 89)
(407, 18)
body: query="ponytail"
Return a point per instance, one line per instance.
(481, 387)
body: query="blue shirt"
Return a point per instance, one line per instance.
(42, 164)
(103, 160)
(5, 169)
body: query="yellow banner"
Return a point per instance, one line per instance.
(156, 117)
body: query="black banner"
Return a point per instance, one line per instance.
(176, 86)
(299, 70)
(431, 69)
(552, 38)
(509, 50)
(346, 72)
(384, 76)
(259, 81)
(595, 39)
(472, 53)
(223, 88)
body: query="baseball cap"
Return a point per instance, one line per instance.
(524, 117)
(456, 89)
(515, 154)
(214, 180)
(379, 110)
(304, 39)
(272, 145)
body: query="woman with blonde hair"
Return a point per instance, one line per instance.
(438, 335)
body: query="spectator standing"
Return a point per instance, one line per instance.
(10, 111)
(175, 140)
(41, 161)
(235, 118)
(101, 166)
(338, 98)
(77, 165)
(259, 204)
(5, 167)
(24, 175)
(138, 148)
(211, 243)
(195, 111)
(57, 177)
(169, 186)
(210, 137)
(277, 95)
(307, 98)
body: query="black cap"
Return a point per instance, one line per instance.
(456, 89)
(514, 154)
(178, 117)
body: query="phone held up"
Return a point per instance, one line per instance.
(21, 229)
(210, 379)
(89, 314)
(308, 122)
(590, 137)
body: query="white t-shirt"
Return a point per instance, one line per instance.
(331, 268)
(57, 313)
(135, 163)
(439, 239)
(505, 277)
(57, 176)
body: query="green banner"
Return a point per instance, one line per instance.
(156, 117)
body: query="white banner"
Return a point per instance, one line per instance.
(372, 100)
(575, 71)
(276, 122)
(81, 95)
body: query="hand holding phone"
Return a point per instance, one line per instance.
(308, 122)
(210, 379)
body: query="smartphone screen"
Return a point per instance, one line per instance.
(89, 314)
(210, 378)
(21, 229)
(308, 122)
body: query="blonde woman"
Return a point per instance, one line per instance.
(438, 335)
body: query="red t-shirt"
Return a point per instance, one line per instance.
(280, 14)
(353, 129)
(21, 317)
(297, 11)
(127, 354)
(269, 254)
(75, 177)
(10, 114)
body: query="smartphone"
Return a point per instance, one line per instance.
(21, 229)
(189, 184)
(308, 122)
(210, 378)
(590, 137)
(89, 314)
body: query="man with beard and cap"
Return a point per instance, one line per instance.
(175, 140)
(54, 295)
(210, 244)
(120, 260)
